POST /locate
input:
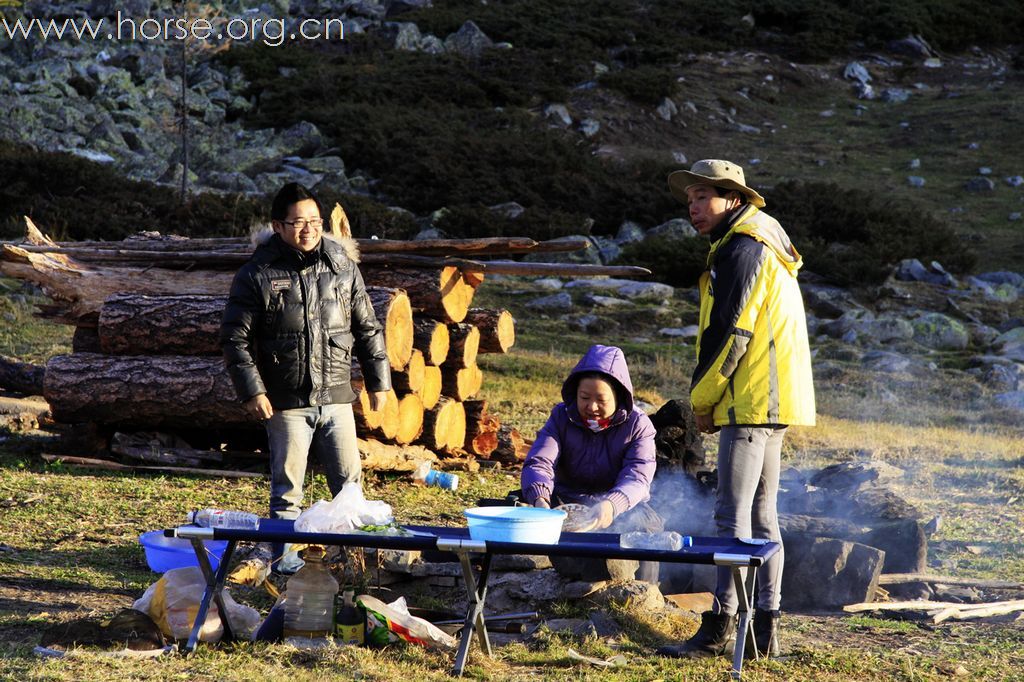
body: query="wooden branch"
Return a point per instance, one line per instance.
(115, 466)
(903, 578)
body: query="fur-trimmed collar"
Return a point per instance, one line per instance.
(261, 234)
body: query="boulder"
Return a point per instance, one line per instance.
(904, 544)
(640, 595)
(911, 270)
(559, 302)
(629, 232)
(605, 301)
(646, 291)
(677, 228)
(940, 332)
(510, 210)
(468, 41)
(667, 109)
(823, 573)
(856, 71)
(589, 127)
(980, 184)
(559, 113)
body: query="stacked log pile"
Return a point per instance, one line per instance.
(147, 313)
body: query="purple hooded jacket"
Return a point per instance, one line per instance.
(578, 465)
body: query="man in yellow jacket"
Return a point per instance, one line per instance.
(752, 380)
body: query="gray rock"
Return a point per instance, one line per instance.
(904, 544)
(559, 113)
(1003, 277)
(1013, 351)
(911, 270)
(400, 6)
(667, 109)
(851, 320)
(646, 291)
(429, 233)
(679, 157)
(607, 249)
(940, 332)
(887, 328)
(914, 164)
(301, 139)
(1006, 377)
(1013, 400)
(230, 182)
(604, 625)
(431, 44)
(915, 181)
(1014, 217)
(677, 228)
(469, 40)
(982, 335)
(371, 9)
(556, 302)
(548, 283)
(598, 283)
(404, 35)
(855, 71)
(885, 361)
(605, 301)
(980, 184)
(645, 597)
(1015, 180)
(577, 627)
(629, 232)
(912, 46)
(847, 476)
(688, 332)
(895, 95)
(825, 573)
(585, 323)
(590, 127)
(1010, 336)
(984, 170)
(95, 157)
(509, 209)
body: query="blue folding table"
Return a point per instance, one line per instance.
(735, 554)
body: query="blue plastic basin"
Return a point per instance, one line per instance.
(515, 524)
(164, 553)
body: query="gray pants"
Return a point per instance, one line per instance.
(329, 433)
(748, 486)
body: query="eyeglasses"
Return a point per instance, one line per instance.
(301, 224)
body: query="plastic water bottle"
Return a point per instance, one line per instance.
(224, 518)
(665, 540)
(309, 598)
(349, 621)
(425, 475)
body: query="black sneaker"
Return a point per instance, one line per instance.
(714, 637)
(766, 634)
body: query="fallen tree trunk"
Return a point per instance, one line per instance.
(379, 456)
(21, 377)
(445, 295)
(497, 329)
(193, 392)
(134, 324)
(432, 339)
(903, 578)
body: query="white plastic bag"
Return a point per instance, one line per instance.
(385, 621)
(347, 511)
(173, 603)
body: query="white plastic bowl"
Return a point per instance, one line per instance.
(515, 524)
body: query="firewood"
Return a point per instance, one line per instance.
(465, 342)
(410, 419)
(410, 380)
(445, 295)
(463, 383)
(432, 339)
(378, 456)
(115, 466)
(497, 329)
(481, 429)
(437, 423)
(431, 391)
(133, 324)
(456, 428)
(21, 377)
(512, 448)
(394, 313)
(902, 578)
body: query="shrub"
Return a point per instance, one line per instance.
(678, 262)
(644, 84)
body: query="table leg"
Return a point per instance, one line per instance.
(476, 591)
(744, 622)
(214, 585)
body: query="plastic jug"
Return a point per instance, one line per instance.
(309, 598)
(425, 475)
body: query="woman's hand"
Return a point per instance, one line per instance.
(605, 513)
(541, 503)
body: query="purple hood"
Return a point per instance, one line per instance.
(570, 462)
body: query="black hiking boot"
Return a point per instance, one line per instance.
(714, 637)
(766, 634)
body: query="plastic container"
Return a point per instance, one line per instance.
(224, 518)
(425, 475)
(164, 553)
(666, 539)
(515, 524)
(309, 598)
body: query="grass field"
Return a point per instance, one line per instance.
(69, 550)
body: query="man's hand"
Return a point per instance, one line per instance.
(377, 400)
(259, 407)
(605, 513)
(706, 423)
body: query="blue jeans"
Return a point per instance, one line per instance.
(327, 432)
(748, 487)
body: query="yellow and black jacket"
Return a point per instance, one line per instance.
(753, 358)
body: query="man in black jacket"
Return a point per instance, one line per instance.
(297, 311)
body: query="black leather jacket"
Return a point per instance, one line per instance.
(291, 324)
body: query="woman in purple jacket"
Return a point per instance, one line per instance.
(596, 449)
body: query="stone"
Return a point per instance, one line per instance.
(823, 573)
(675, 332)
(301, 139)
(1004, 377)
(431, 44)
(679, 157)
(607, 249)
(230, 182)
(940, 332)
(914, 164)
(856, 71)
(577, 627)
(590, 127)
(911, 270)
(667, 109)
(1012, 400)
(915, 181)
(469, 40)
(593, 569)
(852, 475)
(980, 184)
(895, 95)
(549, 283)
(1015, 180)
(886, 361)
(586, 323)
(646, 291)
(598, 283)
(510, 210)
(984, 170)
(559, 113)
(912, 46)
(404, 35)
(872, 505)
(887, 328)
(982, 335)
(520, 562)
(851, 320)
(629, 232)
(556, 302)
(644, 597)
(605, 301)
(604, 625)
(401, 6)
(677, 228)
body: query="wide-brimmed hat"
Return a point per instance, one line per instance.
(714, 172)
